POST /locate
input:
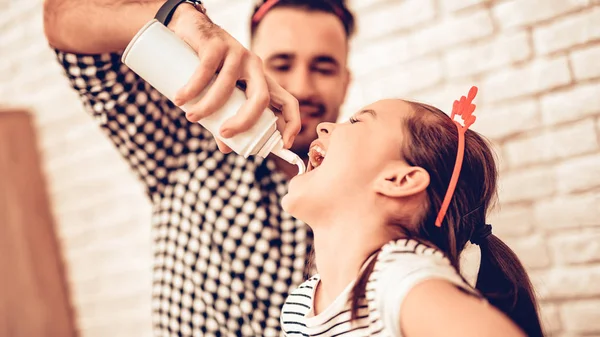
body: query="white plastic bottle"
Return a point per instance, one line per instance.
(165, 61)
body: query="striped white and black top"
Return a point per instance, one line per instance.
(399, 267)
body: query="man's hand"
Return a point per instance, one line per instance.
(101, 26)
(220, 52)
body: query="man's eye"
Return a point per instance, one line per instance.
(325, 71)
(281, 68)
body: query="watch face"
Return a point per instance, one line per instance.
(198, 4)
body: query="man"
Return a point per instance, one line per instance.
(225, 254)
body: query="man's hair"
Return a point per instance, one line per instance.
(335, 7)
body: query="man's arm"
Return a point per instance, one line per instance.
(101, 26)
(97, 26)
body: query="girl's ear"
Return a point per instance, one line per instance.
(400, 180)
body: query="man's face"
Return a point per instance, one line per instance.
(306, 53)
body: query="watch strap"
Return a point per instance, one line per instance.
(165, 13)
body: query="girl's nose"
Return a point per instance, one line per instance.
(325, 129)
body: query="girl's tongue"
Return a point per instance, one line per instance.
(316, 154)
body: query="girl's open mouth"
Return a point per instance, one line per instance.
(316, 154)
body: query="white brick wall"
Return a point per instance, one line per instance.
(581, 316)
(481, 57)
(535, 77)
(576, 248)
(507, 119)
(585, 63)
(574, 103)
(564, 142)
(536, 62)
(517, 13)
(567, 32)
(455, 5)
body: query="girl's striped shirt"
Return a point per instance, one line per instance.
(400, 266)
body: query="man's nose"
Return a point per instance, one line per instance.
(301, 85)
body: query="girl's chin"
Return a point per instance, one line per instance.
(294, 203)
(290, 205)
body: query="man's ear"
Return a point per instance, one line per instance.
(400, 180)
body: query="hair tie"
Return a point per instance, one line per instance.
(481, 233)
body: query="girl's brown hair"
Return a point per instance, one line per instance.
(432, 143)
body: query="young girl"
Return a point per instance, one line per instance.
(394, 197)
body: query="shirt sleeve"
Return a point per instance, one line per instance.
(148, 130)
(402, 275)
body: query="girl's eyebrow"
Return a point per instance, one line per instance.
(368, 111)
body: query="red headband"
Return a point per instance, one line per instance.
(267, 5)
(463, 108)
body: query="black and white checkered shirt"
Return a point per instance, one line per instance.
(225, 254)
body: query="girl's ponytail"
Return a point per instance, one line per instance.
(503, 281)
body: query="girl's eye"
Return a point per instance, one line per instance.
(353, 120)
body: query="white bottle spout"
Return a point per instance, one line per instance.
(291, 158)
(275, 146)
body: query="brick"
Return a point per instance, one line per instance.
(107, 258)
(532, 251)
(451, 31)
(550, 318)
(499, 121)
(388, 52)
(526, 185)
(361, 4)
(73, 143)
(535, 77)
(478, 58)
(385, 20)
(117, 220)
(564, 142)
(572, 104)
(72, 179)
(568, 211)
(354, 101)
(442, 96)
(501, 161)
(517, 13)
(409, 77)
(567, 282)
(579, 174)
(585, 63)
(237, 28)
(581, 316)
(512, 221)
(576, 248)
(21, 12)
(394, 50)
(456, 5)
(568, 32)
(11, 38)
(95, 317)
(128, 326)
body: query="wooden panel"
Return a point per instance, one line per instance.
(33, 293)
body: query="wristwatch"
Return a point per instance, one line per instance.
(165, 13)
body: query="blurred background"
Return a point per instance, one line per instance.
(536, 62)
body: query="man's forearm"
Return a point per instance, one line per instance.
(95, 26)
